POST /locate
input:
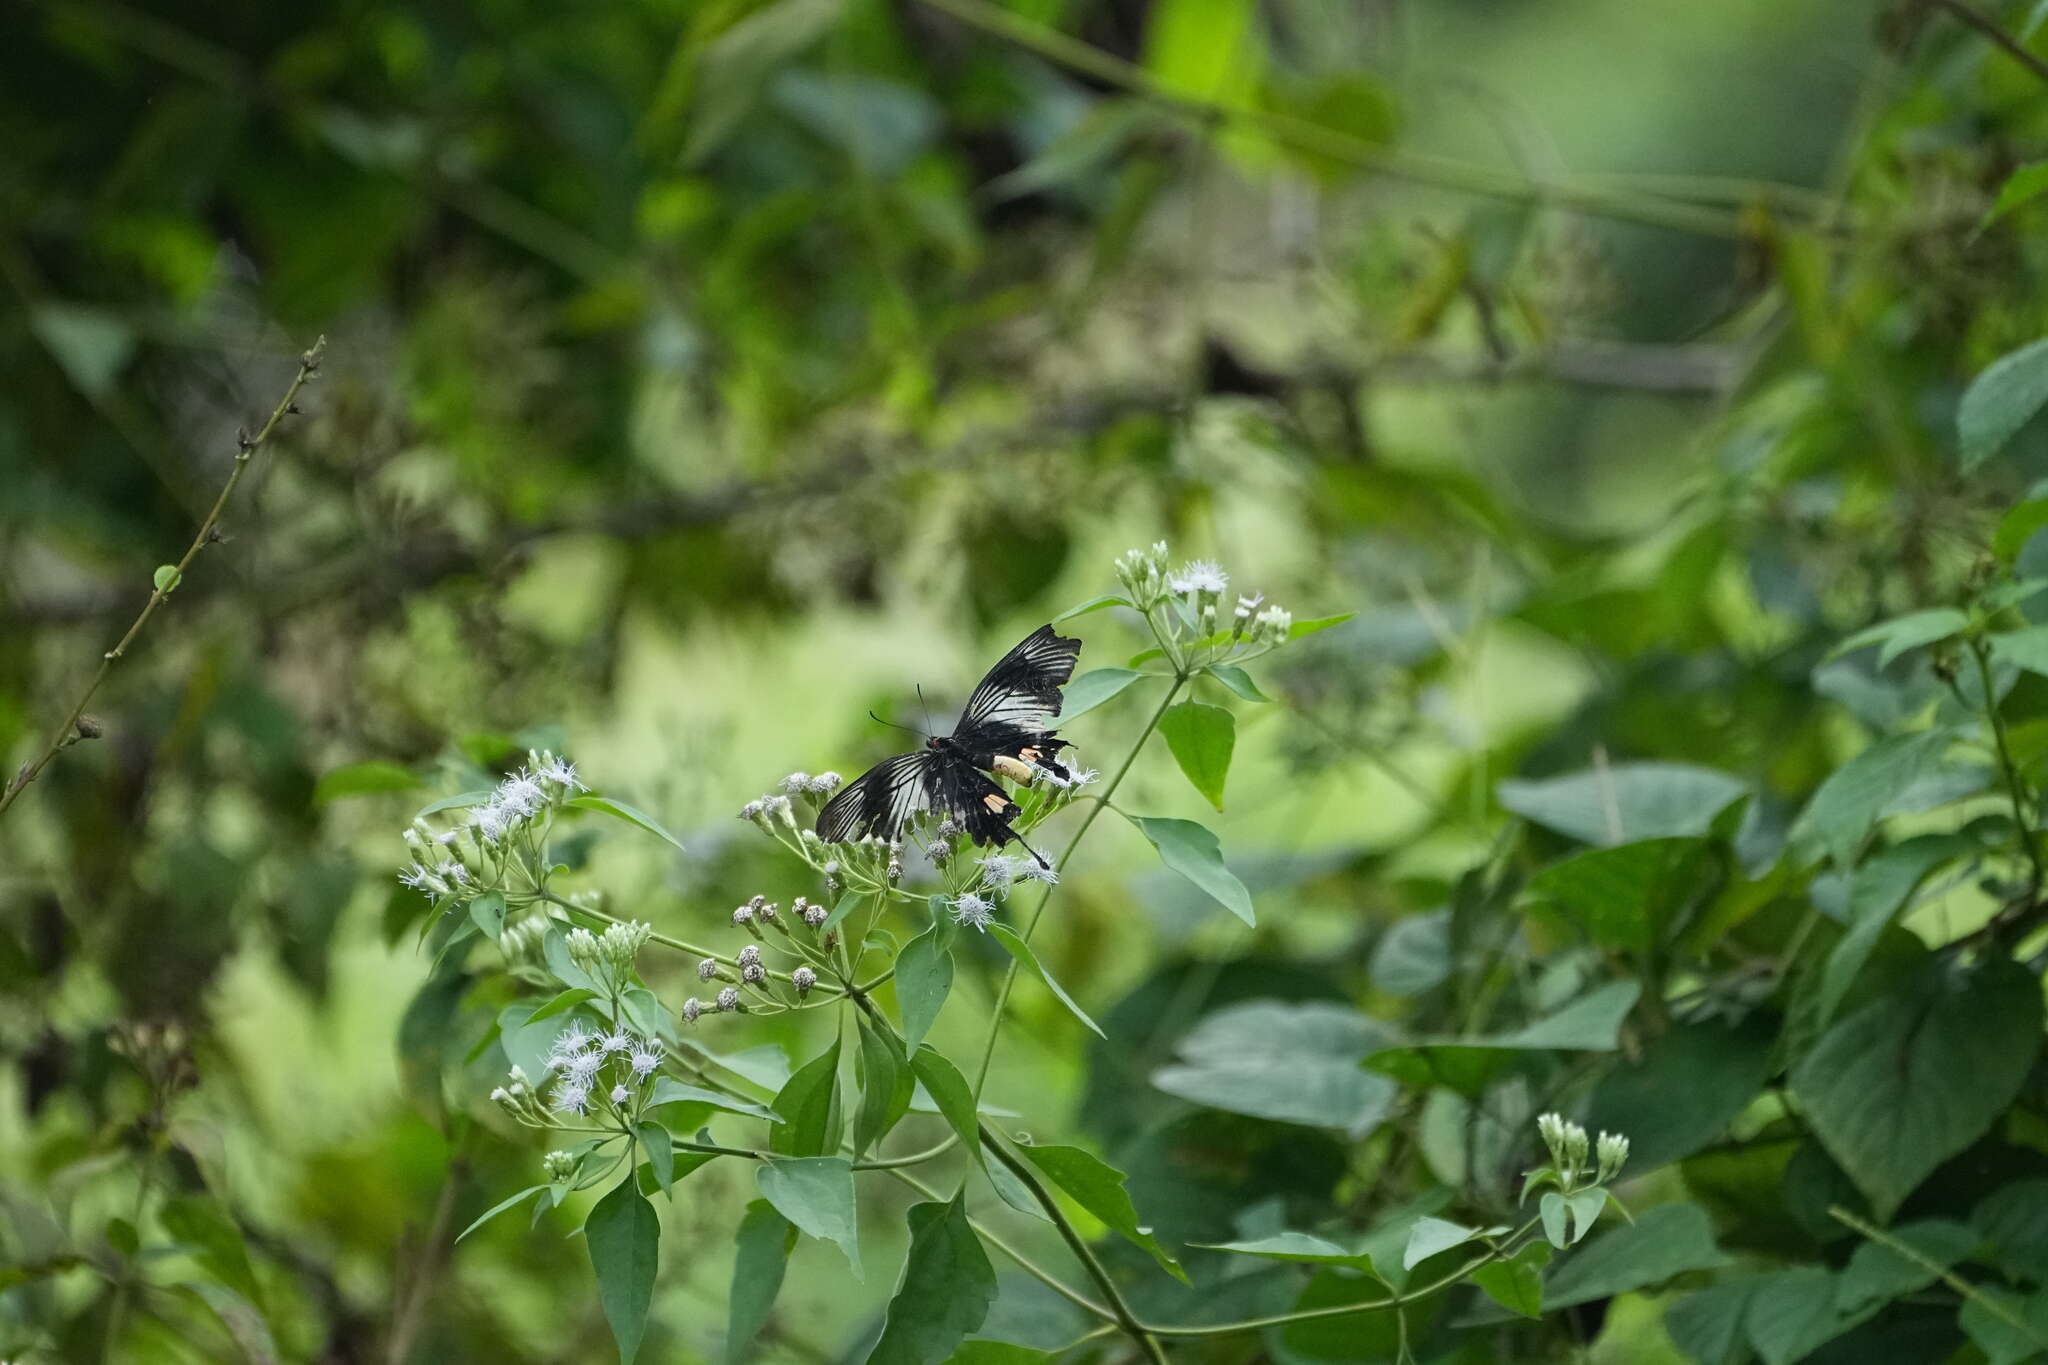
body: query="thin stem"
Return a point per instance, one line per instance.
(1969, 14)
(1981, 652)
(419, 1283)
(665, 940)
(995, 1023)
(1024, 1262)
(70, 732)
(1941, 1272)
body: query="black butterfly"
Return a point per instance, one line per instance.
(1005, 729)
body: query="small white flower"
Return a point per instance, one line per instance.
(751, 811)
(972, 911)
(824, 784)
(572, 1039)
(520, 796)
(584, 1065)
(490, 822)
(620, 1094)
(455, 872)
(1199, 576)
(412, 838)
(572, 1098)
(562, 773)
(1035, 871)
(1247, 605)
(415, 877)
(796, 783)
(618, 1040)
(999, 870)
(1084, 776)
(644, 1059)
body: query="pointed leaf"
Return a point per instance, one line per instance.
(946, 1291)
(494, 1210)
(624, 1237)
(764, 1240)
(949, 1090)
(1098, 1187)
(632, 815)
(2000, 401)
(1192, 851)
(1092, 604)
(816, 1194)
(1238, 681)
(669, 1090)
(1093, 688)
(924, 974)
(1516, 1284)
(1201, 738)
(1020, 950)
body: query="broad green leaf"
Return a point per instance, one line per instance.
(1626, 897)
(244, 1323)
(1902, 633)
(946, 1290)
(735, 67)
(810, 1108)
(1567, 1218)
(555, 951)
(849, 901)
(1093, 688)
(2023, 186)
(1205, 49)
(1414, 955)
(1098, 1187)
(2014, 1222)
(816, 1194)
(2018, 527)
(2026, 648)
(661, 1153)
(1877, 893)
(1092, 604)
(363, 779)
(488, 913)
(950, 1092)
(1877, 1274)
(1920, 1073)
(924, 974)
(624, 1237)
(1684, 1089)
(1708, 1325)
(1849, 802)
(2006, 1327)
(1192, 851)
(1663, 1242)
(564, 1000)
(214, 1240)
(1625, 801)
(1028, 960)
(764, 1241)
(1201, 738)
(1299, 1247)
(669, 1090)
(978, 1352)
(91, 345)
(1592, 1023)
(1792, 1313)
(1516, 1284)
(1430, 1236)
(1238, 681)
(885, 1087)
(1296, 1063)
(2000, 401)
(511, 1201)
(619, 810)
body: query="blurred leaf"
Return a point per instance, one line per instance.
(363, 779)
(669, 1090)
(1663, 1242)
(947, 1287)
(885, 1087)
(1592, 1023)
(1098, 1187)
(2000, 401)
(1916, 1076)
(624, 1237)
(91, 345)
(1516, 1284)
(950, 1092)
(1205, 49)
(1296, 1063)
(1877, 893)
(2023, 186)
(510, 1202)
(1791, 1312)
(1201, 738)
(619, 810)
(1876, 1274)
(2020, 525)
(816, 1194)
(924, 974)
(1903, 633)
(1093, 688)
(214, 1241)
(1414, 955)
(1849, 801)
(1624, 802)
(2005, 1326)
(1684, 1090)
(764, 1238)
(735, 67)
(810, 1108)
(1192, 851)
(1028, 960)
(1628, 896)
(244, 1323)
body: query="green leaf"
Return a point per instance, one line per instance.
(2008, 1329)
(1299, 1247)
(1093, 688)
(488, 913)
(816, 1194)
(213, 1239)
(1238, 681)
(1902, 633)
(1684, 1090)
(1708, 1325)
(2018, 527)
(1877, 1274)
(619, 810)
(734, 68)
(1624, 802)
(1592, 1023)
(363, 779)
(1877, 893)
(1516, 1284)
(1791, 1313)
(1205, 49)
(1430, 1236)
(885, 1087)
(1098, 1187)
(1091, 605)
(565, 1000)
(459, 801)
(244, 1323)
(1626, 897)
(980, 1352)
(2023, 186)
(1919, 1074)
(1664, 1242)
(950, 1092)
(1567, 1218)
(924, 974)
(764, 1241)
(1013, 1191)
(1295, 1063)
(810, 1108)
(669, 1090)
(494, 1210)
(2000, 401)
(946, 1290)
(1200, 738)
(624, 1237)
(2026, 648)
(661, 1154)
(166, 578)
(1192, 851)
(1849, 802)
(1028, 960)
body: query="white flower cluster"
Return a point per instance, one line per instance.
(445, 864)
(1199, 586)
(1570, 1150)
(596, 1068)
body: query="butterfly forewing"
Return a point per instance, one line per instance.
(885, 799)
(1021, 693)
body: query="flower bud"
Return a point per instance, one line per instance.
(707, 970)
(559, 1165)
(814, 915)
(692, 1009)
(620, 1094)
(803, 978)
(743, 917)
(749, 956)
(753, 974)
(1613, 1155)
(728, 1000)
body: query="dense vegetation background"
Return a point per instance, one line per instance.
(699, 376)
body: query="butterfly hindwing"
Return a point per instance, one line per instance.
(883, 799)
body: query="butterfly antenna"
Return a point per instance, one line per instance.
(925, 707)
(892, 724)
(1032, 851)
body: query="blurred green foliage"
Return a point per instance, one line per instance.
(701, 375)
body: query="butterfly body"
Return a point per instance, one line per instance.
(1003, 730)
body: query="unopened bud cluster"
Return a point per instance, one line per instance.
(460, 862)
(756, 991)
(1576, 1158)
(608, 958)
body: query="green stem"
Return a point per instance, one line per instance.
(1095, 809)
(666, 941)
(1941, 1272)
(2015, 785)
(1024, 1262)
